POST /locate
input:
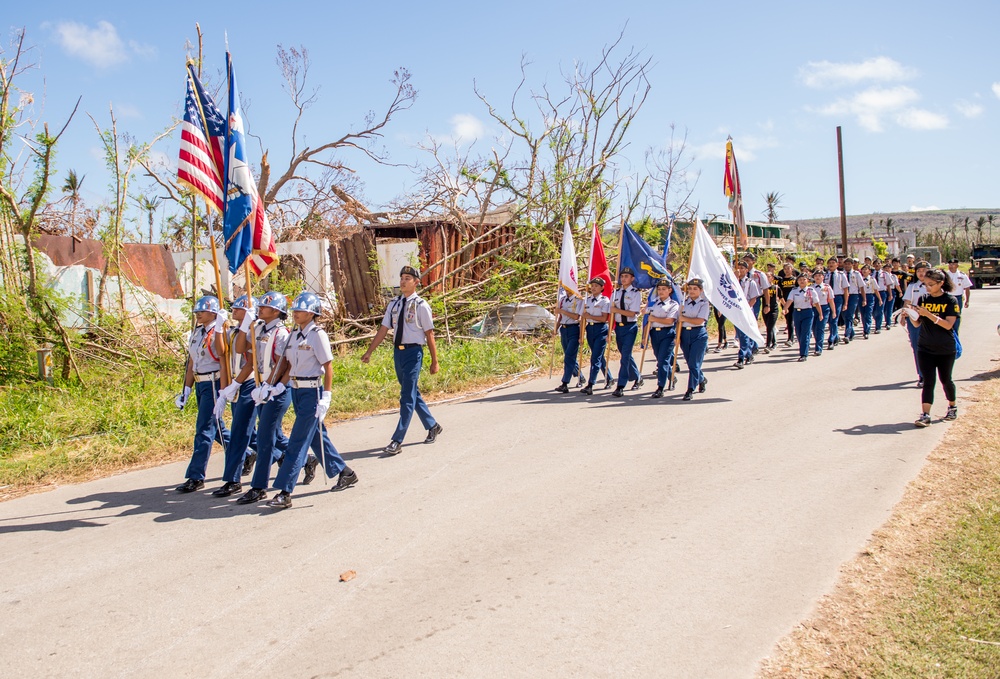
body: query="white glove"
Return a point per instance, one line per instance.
(278, 389)
(261, 394)
(220, 320)
(229, 393)
(182, 398)
(220, 407)
(248, 320)
(323, 406)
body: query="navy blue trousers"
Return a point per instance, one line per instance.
(244, 419)
(625, 335)
(569, 335)
(597, 340)
(663, 338)
(876, 306)
(408, 362)
(848, 316)
(803, 328)
(271, 440)
(819, 325)
(307, 431)
(694, 344)
(888, 306)
(205, 430)
(838, 309)
(867, 314)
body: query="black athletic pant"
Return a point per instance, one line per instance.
(770, 320)
(941, 366)
(721, 320)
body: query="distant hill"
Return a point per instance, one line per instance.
(922, 222)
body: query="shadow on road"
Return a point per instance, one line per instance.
(887, 428)
(885, 387)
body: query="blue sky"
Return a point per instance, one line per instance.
(916, 85)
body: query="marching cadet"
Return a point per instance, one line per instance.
(242, 435)
(625, 309)
(856, 298)
(694, 335)
(892, 293)
(752, 293)
(409, 317)
(271, 395)
(596, 312)
(568, 312)
(874, 297)
(310, 376)
(836, 279)
(961, 286)
(826, 301)
(806, 303)
(206, 374)
(663, 313)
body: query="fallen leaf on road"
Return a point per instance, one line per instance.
(348, 575)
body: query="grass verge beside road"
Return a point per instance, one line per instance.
(922, 600)
(126, 420)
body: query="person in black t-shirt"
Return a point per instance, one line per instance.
(786, 283)
(936, 344)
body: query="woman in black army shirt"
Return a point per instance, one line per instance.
(937, 346)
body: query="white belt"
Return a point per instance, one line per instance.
(207, 377)
(304, 384)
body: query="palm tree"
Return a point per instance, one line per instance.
(980, 225)
(148, 205)
(989, 220)
(773, 201)
(888, 225)
(72, 187)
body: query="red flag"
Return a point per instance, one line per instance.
(734, 191)
(599, 263)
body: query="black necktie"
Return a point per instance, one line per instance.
(621, 305)
(399, 322)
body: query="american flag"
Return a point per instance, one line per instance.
(731, 185)
(203, 134)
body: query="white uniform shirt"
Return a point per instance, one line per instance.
(803, 298)
(836, 280)
(960, 282)
(695, 308)
(855, 282)
(274, 334)
(879, 281)
(308, 351)
(596, 306)
(914, 291)
(760, 278)
(825, 293)
(662, 309)
(750, 288)
(869, 285)
(201, 347)
(574, 305)
(633, 302)
(417, 319)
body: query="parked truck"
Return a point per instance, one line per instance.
(985, 268)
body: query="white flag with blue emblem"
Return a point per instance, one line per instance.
(721, 287)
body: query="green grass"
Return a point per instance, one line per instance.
(74, 433)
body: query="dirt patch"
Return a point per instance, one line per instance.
(919, 600)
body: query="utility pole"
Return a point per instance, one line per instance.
(843, 208)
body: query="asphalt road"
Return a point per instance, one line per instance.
(542, 535)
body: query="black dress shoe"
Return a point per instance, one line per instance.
(228, 489)
(658, 393)
(702, 385)
(688, 395)
(563, 388)
(739, 365)
(638, 383)
(618, 392)
(588, 390)
(580, 382)
(394, 448)
(248, 463)
(607, 383)
(310, 468)
(347, 479)
(251, 496)
(433, 433)
(280, 501)
(190, 486)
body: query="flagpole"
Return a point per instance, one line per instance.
(218, 274)
(618, 268)
(253, 342)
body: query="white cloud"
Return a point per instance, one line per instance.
(996, 89)
(99, 46)
(124, 111)
(919, 119)
(823, 74)
(466, 128)
(914, 208)
(873, 106)
(968, 109)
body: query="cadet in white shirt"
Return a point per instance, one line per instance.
(961, 286)
(752, 293)
(806, 303)
(874, 300)
(310, 377)
(694, 335)
(856, 298)
(568, 312)
(409, 317)
(826, 304)
(625, 306)
(596, 312)
(911, 297)
(663, 313)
